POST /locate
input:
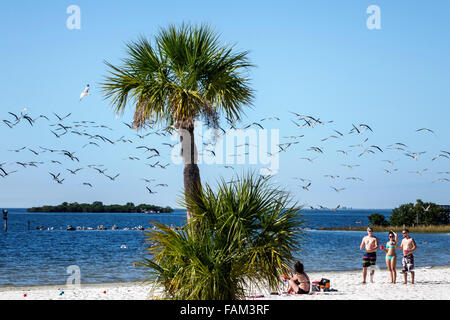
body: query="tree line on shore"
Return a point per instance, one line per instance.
(419, 214)
(99, 207)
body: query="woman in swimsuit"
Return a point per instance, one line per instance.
(391, 258)
(299, 283)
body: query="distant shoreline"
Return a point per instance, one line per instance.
(99, 207)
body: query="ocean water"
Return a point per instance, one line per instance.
(34, 257)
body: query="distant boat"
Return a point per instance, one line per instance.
(102, 227)
(70, 228)
(358, 222)
(114, 227)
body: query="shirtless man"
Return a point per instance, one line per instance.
(408, 246)
(370, 245)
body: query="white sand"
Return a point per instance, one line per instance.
(432, 283)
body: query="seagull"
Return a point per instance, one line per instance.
(351, 166)
(55, 176)
(309, 159)
(15, 116)
(440, 155)
(148, 149)
(329, 138)
(355, 128)
(426, 129)
(5, 174)
(18, 150)
(91, 143)
(419, 172)
(335, 209)
(74, 171)
(343, 152)
(367, 150)
(170, 145)
(337, 190)
(389, 161)
(307, 186)
(22, 164)
(9, 124)
(36, 153)
(316, 149)
(354, 178)
(112, 178)
(441, 180)
(361, 144)
(62, 118)
(376, 147)
(365, 126)
(100, 171)
(331, 176)
(58, 135)
(85, 92)
(150, 191)
(415, 155)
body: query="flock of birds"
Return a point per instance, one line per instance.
(63, 126)
(68, 162)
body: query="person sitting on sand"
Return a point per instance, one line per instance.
(391, 258)
(370, 245)
(299, 283)
(408, 246)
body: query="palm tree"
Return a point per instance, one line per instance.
(250, 231)
(185, 76)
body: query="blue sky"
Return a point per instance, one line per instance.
(315, 58)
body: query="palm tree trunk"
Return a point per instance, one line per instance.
(192, 182)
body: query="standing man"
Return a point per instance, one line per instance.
(5, 218)
(370, 245)
(408, 246)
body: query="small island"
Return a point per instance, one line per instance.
(99, 207)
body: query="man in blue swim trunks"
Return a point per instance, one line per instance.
(370, 245)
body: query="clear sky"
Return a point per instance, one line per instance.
(316, 58)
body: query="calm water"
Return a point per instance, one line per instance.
(31, 257)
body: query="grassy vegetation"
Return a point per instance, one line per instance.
(414, 229)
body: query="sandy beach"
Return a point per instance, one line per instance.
(432, 283)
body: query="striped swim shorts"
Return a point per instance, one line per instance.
(369, 259)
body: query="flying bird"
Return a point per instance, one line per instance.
(150, 191)
(85, 92)
(425, 129)
(337, 190)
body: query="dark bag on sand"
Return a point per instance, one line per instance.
(325, 284)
